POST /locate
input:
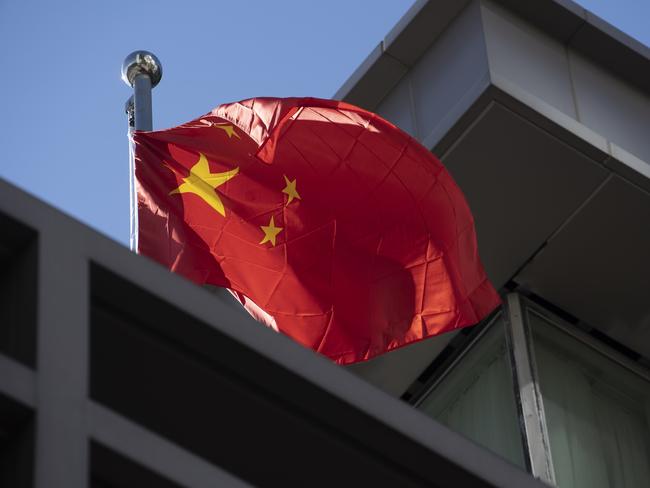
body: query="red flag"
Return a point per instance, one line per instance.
(344, 229)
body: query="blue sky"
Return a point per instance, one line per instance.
(63, 130)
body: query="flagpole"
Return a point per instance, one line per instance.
(142, 71)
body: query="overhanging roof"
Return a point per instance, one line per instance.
(565, 20)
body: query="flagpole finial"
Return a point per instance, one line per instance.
(141, 63)
(141, 70)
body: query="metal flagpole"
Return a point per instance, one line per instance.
(142, 71)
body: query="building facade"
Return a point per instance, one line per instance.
(116, 373)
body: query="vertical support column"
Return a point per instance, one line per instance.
(61, 455)
(530, 399)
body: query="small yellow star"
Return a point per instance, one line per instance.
(229, 129)
(290, 189)
(270, 232)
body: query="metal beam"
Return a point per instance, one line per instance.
(530, 399)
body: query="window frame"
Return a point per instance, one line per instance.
(515, 313)
(447, 367)
(532, 420)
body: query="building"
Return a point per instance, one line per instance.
(114, 373)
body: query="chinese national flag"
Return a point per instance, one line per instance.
(341, 227)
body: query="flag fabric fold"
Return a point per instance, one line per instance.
(346, 233)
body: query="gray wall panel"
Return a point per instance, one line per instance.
(397, 107)
(527, 57)
(395, 371)
(62, 358)
(449, 70)
(608, 105)
(597, 267)
(521, 184)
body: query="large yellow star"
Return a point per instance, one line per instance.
(203, 183)
(270, 232)
(290, 189)
(229, 129)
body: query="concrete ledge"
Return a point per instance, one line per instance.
(17, 381)
(154, 452)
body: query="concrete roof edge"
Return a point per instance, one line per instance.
(618, 35)
(373, 79)
(397, 48)
(359, 73)
(406, 19)
(613, 49)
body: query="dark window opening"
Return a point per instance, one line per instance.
(18, 279)
(109, 469)
(16, 444)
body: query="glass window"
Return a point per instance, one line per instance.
(596, 412)
(476, 397)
